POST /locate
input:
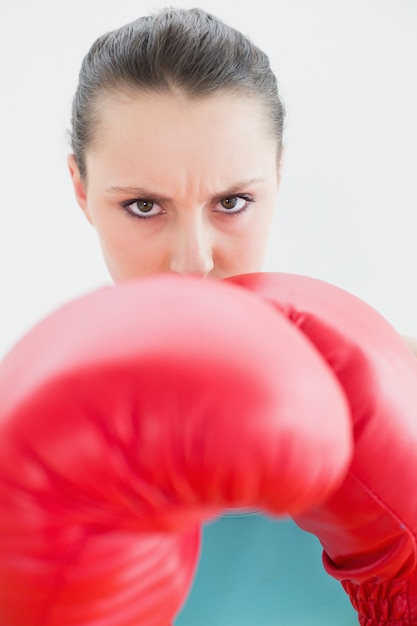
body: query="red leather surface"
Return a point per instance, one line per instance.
(368, 526)
(134, 414)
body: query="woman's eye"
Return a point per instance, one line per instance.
(142, 208)
(234, 204)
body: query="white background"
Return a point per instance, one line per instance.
(347, 211)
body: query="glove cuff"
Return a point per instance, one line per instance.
(384, 604)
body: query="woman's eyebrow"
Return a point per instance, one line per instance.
(137, 192)
(238, 187)
(142, 192)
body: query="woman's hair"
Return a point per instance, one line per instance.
(185, 50)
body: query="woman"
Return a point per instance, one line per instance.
(177, 137)
(177, 154)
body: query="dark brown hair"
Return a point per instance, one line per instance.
(176, 49)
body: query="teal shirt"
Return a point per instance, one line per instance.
(258, 571)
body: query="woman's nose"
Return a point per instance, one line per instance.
(192, 249)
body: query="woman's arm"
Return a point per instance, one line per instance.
(412, 344)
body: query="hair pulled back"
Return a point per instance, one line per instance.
(176, 49)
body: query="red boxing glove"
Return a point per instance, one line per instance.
(135, 413)
(368, 526)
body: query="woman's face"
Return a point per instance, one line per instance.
(175, 185)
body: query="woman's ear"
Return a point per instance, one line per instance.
(79, 187)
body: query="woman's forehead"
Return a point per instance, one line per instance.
(216, 142)
(175, 114)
